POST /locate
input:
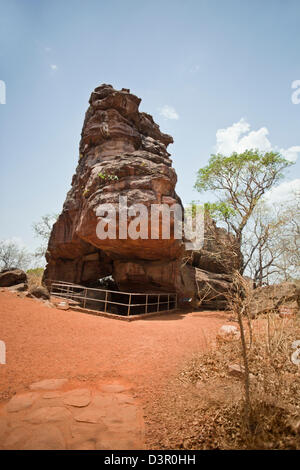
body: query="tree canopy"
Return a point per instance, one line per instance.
(239, 181)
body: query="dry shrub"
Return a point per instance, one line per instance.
(34, 277)
(205, 407)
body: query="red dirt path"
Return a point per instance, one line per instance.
(43, 342)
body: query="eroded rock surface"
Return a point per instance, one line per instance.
(12, 277)
(123, 153)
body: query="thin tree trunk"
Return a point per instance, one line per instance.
(247, 373)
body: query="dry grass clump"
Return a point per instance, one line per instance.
(34, 277)
(205, 407)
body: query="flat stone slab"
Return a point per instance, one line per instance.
(55, 394)
(21, 402)
(80, 397)
(112, 441)
(15, 439)
(113, 388)
(48, 384)
(105, 401)
(126, 399)
(86, 434)
(92, 414)
(88, 445)
(127, 415)
(81, 418)
(45, 437)
(48, 414)
(88, 431)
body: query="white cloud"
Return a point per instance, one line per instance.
(47, 49)
(283, 192)
(168, 112)
(238, 137)
(291, 153)
(53, 66)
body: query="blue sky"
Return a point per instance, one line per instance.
(199, 67)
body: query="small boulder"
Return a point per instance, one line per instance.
(39, 292)
(228, 333)
(64, 305)
(19, 287)
(12, 277)
(48, 384)
(79, 397)
(238, 371)
(20, 402)
(113, 388)
(294, 425)
(229, 330)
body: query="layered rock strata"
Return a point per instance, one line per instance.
(123, 153)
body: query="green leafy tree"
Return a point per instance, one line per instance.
(239, 181)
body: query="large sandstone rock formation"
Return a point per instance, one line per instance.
(122, 152)
(203, 275)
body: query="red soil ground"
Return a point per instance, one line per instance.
(43, 342)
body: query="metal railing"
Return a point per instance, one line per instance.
(116, 302)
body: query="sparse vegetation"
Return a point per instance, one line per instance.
(204, 408)
(34, 277)
(239, 182)
(107, 177)
(12, 255)
(42, 230)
